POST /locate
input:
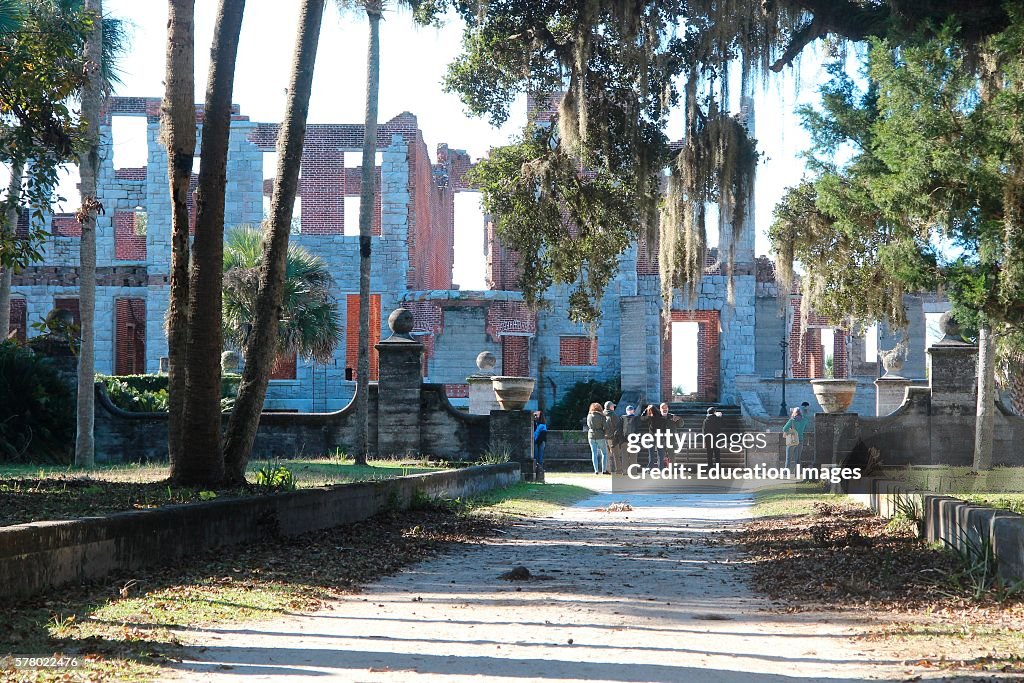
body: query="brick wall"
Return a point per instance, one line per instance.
(285, 366)
(352, 333)
(19, 319)
(130, 336)
(708, 354)
(128, 244)
(577, 351)
(515, 356)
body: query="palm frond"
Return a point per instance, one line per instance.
(11, 13)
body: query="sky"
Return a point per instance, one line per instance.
(413, 64)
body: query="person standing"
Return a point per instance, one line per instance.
(596, 436)
(660, 421)
(631, 424)
(540, 437)
(712, 427)
(793, 431)
(613, 432)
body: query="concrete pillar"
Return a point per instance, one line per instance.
(633, 345)
(954, 378)
(481, 395)
(889, 394)
(514, 429)
(401, 381)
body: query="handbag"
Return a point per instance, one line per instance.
(792, 438)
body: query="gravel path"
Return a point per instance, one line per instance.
(644, 595)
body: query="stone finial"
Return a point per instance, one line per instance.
(486, 361)
(401, 323)
(229, 361)
(951, 329)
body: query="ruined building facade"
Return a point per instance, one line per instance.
(738, 360)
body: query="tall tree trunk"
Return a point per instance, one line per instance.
(986, 399)
(7, 231)
(262, 347)
(202, 415)
(178, 124)
(89, 167)
(367, 194)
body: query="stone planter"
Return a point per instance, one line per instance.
(834, 395)
(513, 392)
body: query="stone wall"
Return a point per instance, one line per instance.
(44, 555)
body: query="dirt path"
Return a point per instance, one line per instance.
(645, 595)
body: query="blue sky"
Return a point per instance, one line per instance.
(413, 62)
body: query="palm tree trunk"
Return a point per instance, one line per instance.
(986, 399)
(6, 232)
(89, 166)
(367, 194)
(178, 126)
(261, 349)
(202, 415)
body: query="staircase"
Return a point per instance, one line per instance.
(693, 414)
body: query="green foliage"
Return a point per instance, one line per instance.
(933, 194)
(41, 72)
(979, 568)
(497, 453)
(273, 478)
(571, 411)
(567, 227)
(148, 393)
(310, 324)
(36, 408)
(128, 397)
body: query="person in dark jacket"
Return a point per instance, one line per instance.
(613, 433)
(663, 421)
(631, 424)
(712, 428)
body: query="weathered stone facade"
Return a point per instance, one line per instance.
(738, 354)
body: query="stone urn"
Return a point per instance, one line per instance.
(834, 395)
(513, 392)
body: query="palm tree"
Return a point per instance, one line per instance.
(201, 420)
(310, 324)
(374, 9)
(178, 134)
(262, 347)
(89, 166)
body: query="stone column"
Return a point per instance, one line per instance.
(514, 429)
(401, 380)
(954, 375)
(889, 394)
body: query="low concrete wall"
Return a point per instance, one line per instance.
(954, 521)
(42, 555)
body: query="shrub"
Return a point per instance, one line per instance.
(273, 478)
(571, 411)
(37, 415)
(148, 393)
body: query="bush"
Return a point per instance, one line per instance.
(571, 411)
(37, 413)
(148, 393)
(128, 397)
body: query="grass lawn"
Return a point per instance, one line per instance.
(133, 623)
(796, 498)
(528, 500)
(31, 493)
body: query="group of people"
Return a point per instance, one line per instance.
(608, 433)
